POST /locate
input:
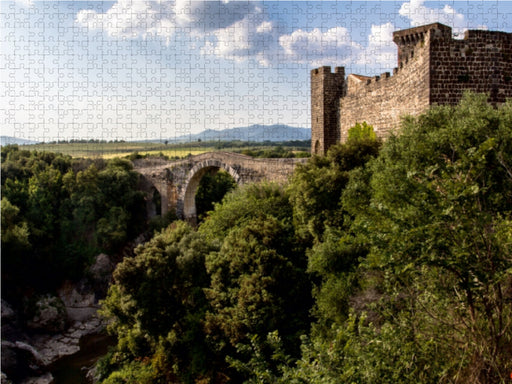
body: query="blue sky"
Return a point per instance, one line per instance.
(134, 69)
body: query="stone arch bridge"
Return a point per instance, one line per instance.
(177, 181)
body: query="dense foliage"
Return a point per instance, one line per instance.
(400, 252)
(378, 263)
(247, 277)
(431, 300)
(157, 306)
(58, 212)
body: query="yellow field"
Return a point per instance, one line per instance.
(174, 153)
(111, 150)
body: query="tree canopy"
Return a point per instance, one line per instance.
(58, 212)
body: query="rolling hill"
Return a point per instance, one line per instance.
(257, 133)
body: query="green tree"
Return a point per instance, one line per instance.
(257, 285)
(437, 220)
(211, 190)
(15, 241)
(112, 229)
(427, 300)
(446, 206)
(361, 131)
(316, 187)
(70, 209)
(244, 204)
(157, 305)
(258, 280)
(15, 233)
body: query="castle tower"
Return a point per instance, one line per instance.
(326, 90)
(407, 39)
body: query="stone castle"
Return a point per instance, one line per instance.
(433, 68)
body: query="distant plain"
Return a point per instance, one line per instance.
(108, 150)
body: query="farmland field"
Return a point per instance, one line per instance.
(109, 150)
(118, 149)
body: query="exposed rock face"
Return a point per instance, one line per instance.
(92, 375)
(79, 301)
(101, 270)
(24, 361)
(53, 347)
(56, 325)
(19, 359)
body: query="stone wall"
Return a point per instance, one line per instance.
(481, 62)
(382, 100)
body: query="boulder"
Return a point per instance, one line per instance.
(101, 270)
(4, 379)
(92, 375)
(79, 302)
(9, 357)
(20, 359)
(45, 379)
(49, 314)
(8, 313)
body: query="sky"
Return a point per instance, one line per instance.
(144, 70)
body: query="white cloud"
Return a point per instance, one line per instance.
(131, 19)
(264, 27)
(419, 14)
(238, 30)
(231, 29)
(251, 37)
(24, 3)
(235, 30)
(231, 41)
(381, 50)
(316, 47)
(207, 16)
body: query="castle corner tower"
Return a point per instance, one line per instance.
(326, 90)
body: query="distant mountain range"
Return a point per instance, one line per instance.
(6, 140)
(257, 132)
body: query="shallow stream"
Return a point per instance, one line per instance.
(70, 369)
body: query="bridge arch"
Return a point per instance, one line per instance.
(193, 179)
(153, 202)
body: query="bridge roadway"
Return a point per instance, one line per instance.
(177, 180)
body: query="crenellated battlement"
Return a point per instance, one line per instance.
(327, 70)
(433, 68)
(409, 40)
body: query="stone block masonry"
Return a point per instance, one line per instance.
(433, 68)
(326, 90)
